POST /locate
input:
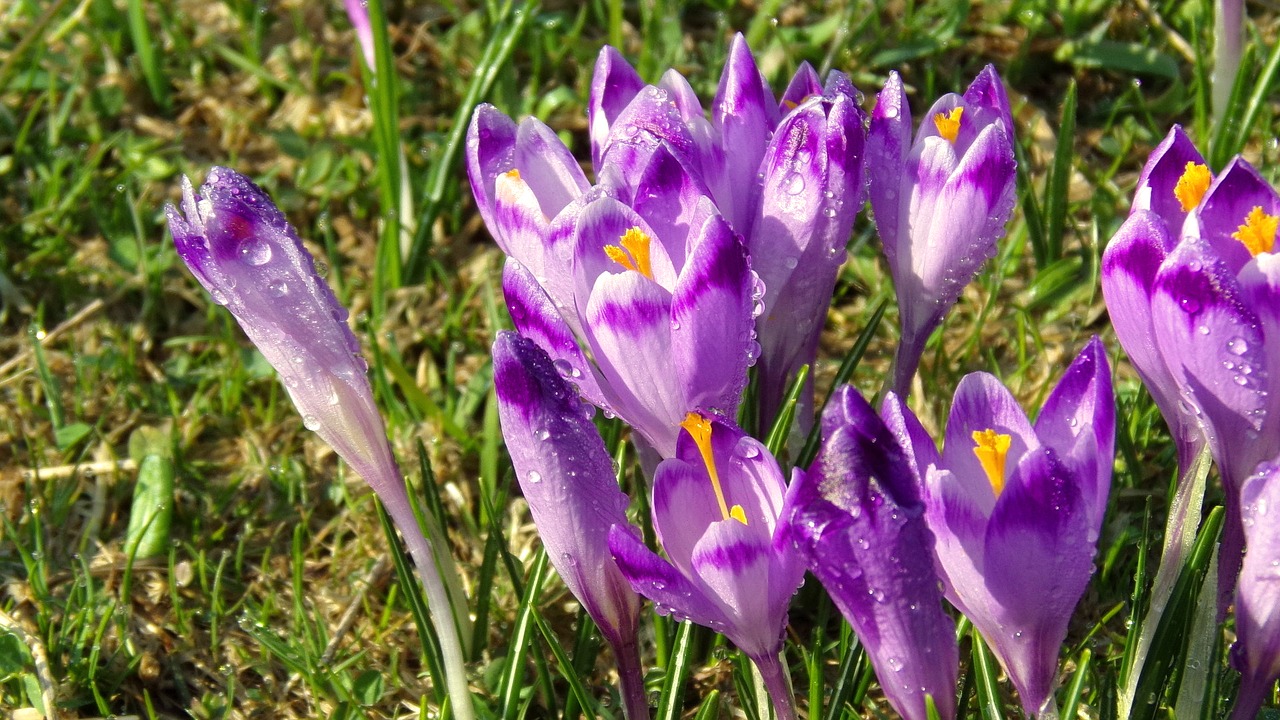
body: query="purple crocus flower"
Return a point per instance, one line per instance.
(243, 251)
(1172, 184)
(788, 176)
(717, 507)
(1016, 509)
(1216, 306)
(567, 478)
(858, 520)
(940, 202)
(1256, 653)
(663, 301)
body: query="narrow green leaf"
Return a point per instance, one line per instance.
(986, 673)
(777, 438)
(148, 58)
(1057, 187)
(412, 591)
(671, 702)
(513, 674)
(568, 670)
(1072, 700)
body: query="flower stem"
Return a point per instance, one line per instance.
(455, 670)
(635, 704)
(778, 682)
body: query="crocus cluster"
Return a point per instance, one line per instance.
(648, 267)
(1191, 282)
(703, 244)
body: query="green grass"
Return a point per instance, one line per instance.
(275, 592)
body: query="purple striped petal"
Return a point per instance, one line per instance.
(983, 403)
(804, 84)
(744, 113)
(518, 219)
(1129, 267)
(491, 143)
(671, 592)
(910, 434)
(1256, 653)
(1237, 190)
(732, 564)
(548, 166)
(986, 94)
(614, 84)
(1078, 420)
(601, 224)
(567, 477)
(888, 144)
(712, 333)
(1160, 176)
(858, 521)
(673, 201)
(627, 320)
(535, 317)
(1039, 559)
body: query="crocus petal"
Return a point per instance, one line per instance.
(671, 199)
(684, 506)
(602, 224)
(1256, 653)
(888, 144)
(732, 563)
(1165, 166)
(491, 148)
(551, 170)
(813, 188)
(566, 475)
(1129, 267)
(1039, 559)
(711, 319)
(1078, 420)
(858, 521)
(1218, 353)
(958, 519)
(804, 84)
(744, 113)
(671, 592)
(648, 121)
(910, 434)
(535, 317)
(613, 85)
(983, 403)
(986, 94)
(1234, 193)
(519, 220)
(627, 320)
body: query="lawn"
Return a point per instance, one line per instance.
(175, 543)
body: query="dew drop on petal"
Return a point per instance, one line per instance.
(1237, 346)
(278, 288)
(534, 476)
(255, 251)
(793, 184)
(311, 422)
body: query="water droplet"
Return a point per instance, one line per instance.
(534, 476)
(793, 184)
(1189, 305)
(1237, 346)
(218, 297)
(895, 664)
(543, 434)
(1203, 329)
(278, 288)
(255, 251)
(311, 422)
(791, 263)
(828, 212)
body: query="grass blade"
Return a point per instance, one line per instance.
(682, 656)
(512, 677)
(431, 655)
(986, 672)
(1056, 189)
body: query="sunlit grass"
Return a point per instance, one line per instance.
(277, 593)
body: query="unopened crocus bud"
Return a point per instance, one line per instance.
(239, 246)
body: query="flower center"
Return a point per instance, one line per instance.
(1258, 233)
(948, 124)
(1193, 184)
(991, 448)
(513, 173)
(632, 252)
(699, 428)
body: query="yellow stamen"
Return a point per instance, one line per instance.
(699, 428)
(991, 448)
(1193, 184)
(513, 173)
(632, 252)
(1258, 233)
(948, 124)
